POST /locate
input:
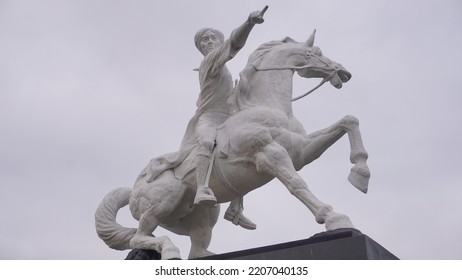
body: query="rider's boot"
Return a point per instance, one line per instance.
(204, 195)
(234, 214)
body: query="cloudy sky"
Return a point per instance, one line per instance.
(91, 90)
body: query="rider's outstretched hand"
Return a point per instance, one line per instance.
(257, 16)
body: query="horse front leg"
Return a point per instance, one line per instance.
(200, 224)
(273, 159)
(309, 147)
(359, 174)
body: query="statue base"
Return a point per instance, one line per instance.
(340, 244)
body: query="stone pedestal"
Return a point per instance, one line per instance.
(342, 244)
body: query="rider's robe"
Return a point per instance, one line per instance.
(168, 161)
(216, 86)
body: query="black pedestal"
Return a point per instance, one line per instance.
(341, 244)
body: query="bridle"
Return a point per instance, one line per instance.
(309, 54)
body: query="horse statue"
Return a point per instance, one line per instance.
(262, 140)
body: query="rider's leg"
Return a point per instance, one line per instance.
(234, 214)
(204, 195)
(205, 134)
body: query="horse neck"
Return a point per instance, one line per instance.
(271, 88)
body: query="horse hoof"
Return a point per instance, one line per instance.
(359, 178)
(171, 253)
(199, 254)
(336, 221)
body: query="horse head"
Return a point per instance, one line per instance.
(267, 78)
(320, 66)
(304, 58)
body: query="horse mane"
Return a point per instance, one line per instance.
(237, 99)
(257, 56)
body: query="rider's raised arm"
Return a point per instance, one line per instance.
(233, 44)
(239, 35)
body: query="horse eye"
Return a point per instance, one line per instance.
(317, 51)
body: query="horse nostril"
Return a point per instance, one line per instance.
(344, 75)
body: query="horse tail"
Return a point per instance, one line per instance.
(113, 234)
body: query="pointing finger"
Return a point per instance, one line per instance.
(264, 10)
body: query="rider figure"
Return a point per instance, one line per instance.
(216, 86)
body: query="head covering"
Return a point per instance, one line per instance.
(200, 33)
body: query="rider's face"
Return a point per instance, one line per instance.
(209, 41)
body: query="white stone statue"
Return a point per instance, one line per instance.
(238, 140)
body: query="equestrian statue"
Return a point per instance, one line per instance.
(243, 135)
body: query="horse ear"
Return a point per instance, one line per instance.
(287, 39)
(310, 42)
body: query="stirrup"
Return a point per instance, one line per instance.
(205, 198)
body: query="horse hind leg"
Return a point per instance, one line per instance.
(152, 203)
(273, 159)
(144, 239)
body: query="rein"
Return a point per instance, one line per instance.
(316, 87)
(297, 68)
(313, 89)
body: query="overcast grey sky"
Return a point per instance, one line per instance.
(91, 90)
